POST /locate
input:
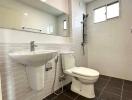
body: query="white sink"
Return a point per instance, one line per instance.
(34, 58)
(34, 62)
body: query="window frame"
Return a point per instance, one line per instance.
(107, 19)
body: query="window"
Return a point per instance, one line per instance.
(65, 24)
(106, 12)
(99, 15)
(112, 10)
(50, 29)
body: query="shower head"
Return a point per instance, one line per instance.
(85, 15)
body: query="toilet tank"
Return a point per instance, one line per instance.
(68, 60)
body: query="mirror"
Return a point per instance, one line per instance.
(33, 16)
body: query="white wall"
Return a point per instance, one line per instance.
(110, 42)
(0, 89)
(77, 10)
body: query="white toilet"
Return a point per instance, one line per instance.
(83, 78)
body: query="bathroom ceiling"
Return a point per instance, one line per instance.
(87, 1)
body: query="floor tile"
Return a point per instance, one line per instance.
(59, 91)
(62, 97)
(83, 98)
(50, 97)
(115, 83)
(97, 92)
(127, 82)
(106, 88)
(127, 88)
(127, 95)
(109, 96)
(71, 94)
(67, 87)
(113, 90)
(101, 83)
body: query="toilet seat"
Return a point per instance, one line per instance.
(87, 72)
(82, 72)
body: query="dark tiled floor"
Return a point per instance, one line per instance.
(106, 88)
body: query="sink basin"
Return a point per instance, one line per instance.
(34, 58)
(34, 62)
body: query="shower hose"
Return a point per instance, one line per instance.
(55, 76)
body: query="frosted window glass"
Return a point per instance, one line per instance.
(100, 14)
(50, 29)
(113, 10)
(65, 24)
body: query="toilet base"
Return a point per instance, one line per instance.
(86, 90)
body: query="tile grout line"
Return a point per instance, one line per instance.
(60, 94)
(76, 97)
(56, 95)
(122, 90)
(113, 93)
(68, 96)
(104, 88)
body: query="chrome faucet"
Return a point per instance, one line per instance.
(32, 46)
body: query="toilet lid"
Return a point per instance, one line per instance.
(85, 71)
